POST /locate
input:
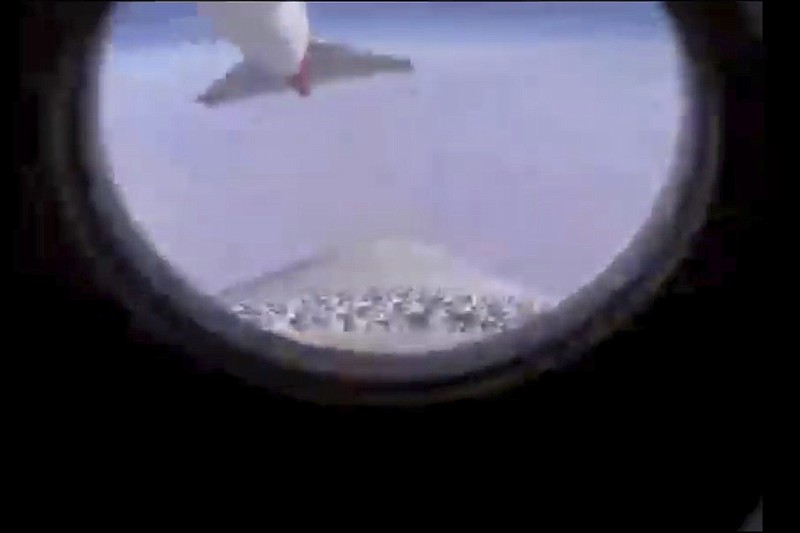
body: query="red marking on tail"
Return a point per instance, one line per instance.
(301, 82)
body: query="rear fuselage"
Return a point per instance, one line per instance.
(274, 35)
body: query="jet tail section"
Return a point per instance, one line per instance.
(324, 63)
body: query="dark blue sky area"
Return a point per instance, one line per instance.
(154, 23)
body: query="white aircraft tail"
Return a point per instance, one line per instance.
(327, 62)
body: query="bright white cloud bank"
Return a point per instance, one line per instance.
(536, 162)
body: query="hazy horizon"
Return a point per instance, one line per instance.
(534, 157)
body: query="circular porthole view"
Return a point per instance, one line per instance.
(394, 176)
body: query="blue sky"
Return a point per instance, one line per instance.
(536, 158)
(152, 23)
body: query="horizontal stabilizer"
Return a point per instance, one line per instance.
(328, 62)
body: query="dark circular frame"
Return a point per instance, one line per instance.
(718, 40)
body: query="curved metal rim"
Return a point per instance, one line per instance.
(161, 302)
